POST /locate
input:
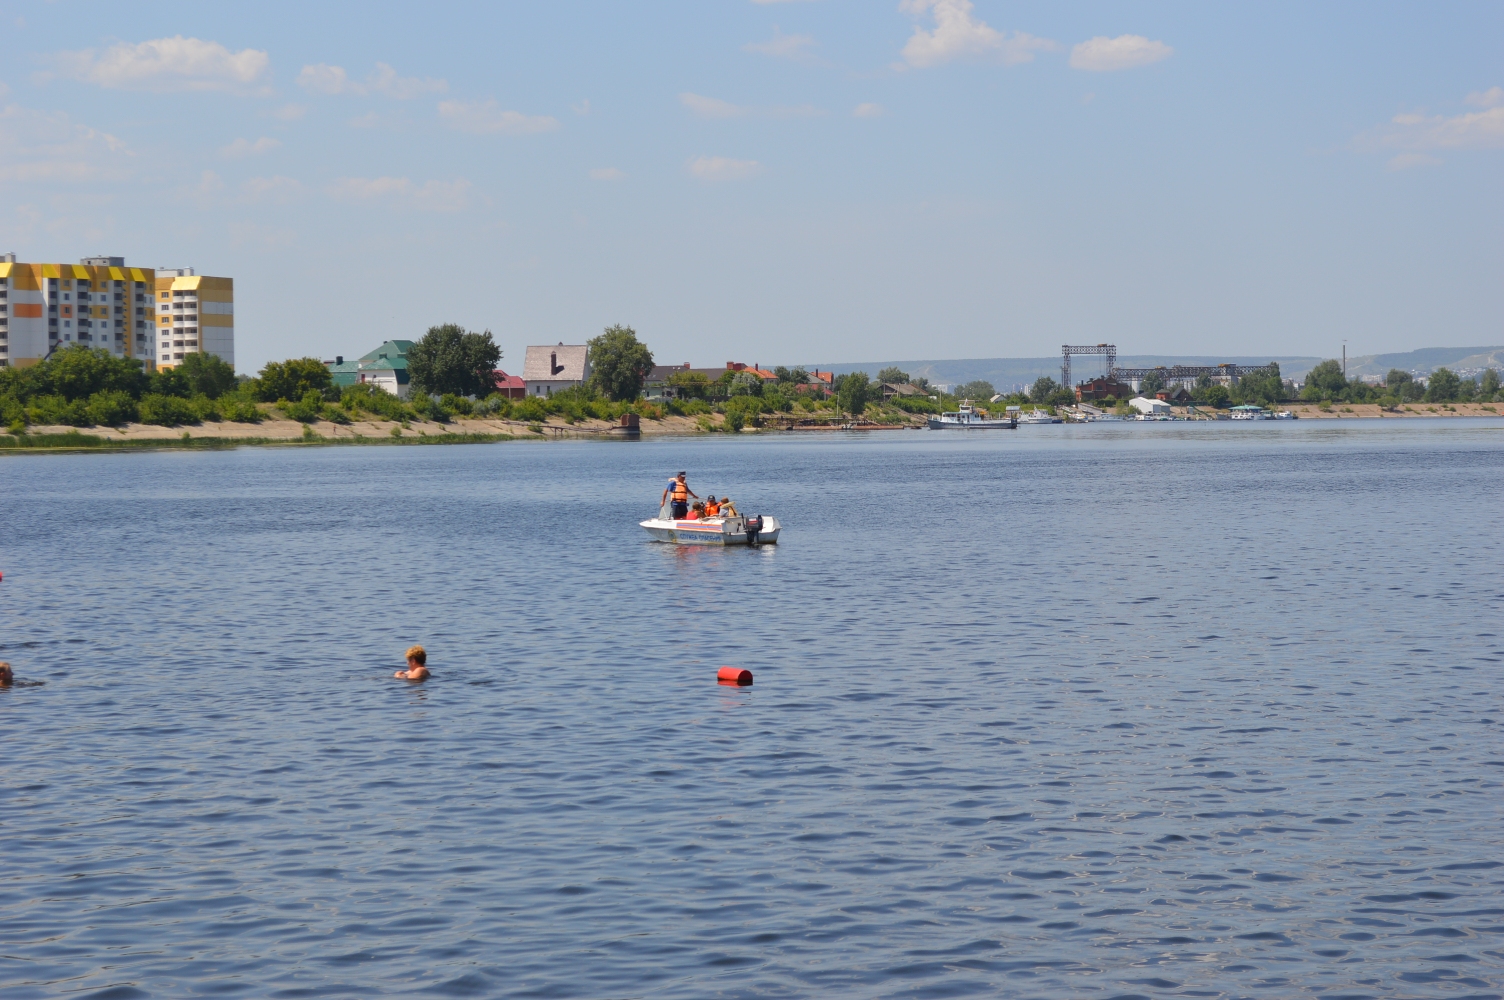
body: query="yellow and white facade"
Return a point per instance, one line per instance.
(194, 313)
(98, 302)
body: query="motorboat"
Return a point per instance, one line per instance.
(1250, 413)
(1284, 415)
(759, 529)
(968, 417)
(1038, 417)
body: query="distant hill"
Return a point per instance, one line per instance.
(1426, 360)
(1006, 373)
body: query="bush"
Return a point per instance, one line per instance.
(334, 414)
(494, 405)
(530, 408)
(112, 408)
(166, 411)
(241, 411)
(58, 410)
(305, 410)
(428, 408)
(293, 379)
(457, 404)
(371, 399)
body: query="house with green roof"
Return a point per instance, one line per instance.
(385, 367)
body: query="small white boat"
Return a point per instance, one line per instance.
(1250, 413)
(740, 530)
(966, 417)
(1038, 417)
(1284, 415)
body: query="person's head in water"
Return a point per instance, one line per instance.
(6, 677)
(417, 665)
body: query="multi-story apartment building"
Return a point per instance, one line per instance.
(194, 313)
(152, 314)
(98, 302)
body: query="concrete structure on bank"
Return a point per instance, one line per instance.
(546, 370)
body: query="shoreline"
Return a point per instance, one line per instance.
(461, 430)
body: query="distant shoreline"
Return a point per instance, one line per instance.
(290, 433)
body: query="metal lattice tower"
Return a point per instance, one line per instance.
(1066, 350)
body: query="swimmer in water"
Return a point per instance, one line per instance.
(417, 666)
(6, 677)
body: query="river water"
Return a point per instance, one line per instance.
(1146, 710)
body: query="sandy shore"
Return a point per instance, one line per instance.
(376, 431)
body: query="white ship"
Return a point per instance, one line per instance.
(966, 417)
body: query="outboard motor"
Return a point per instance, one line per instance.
(754, 527)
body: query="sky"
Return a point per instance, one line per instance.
(779, 182)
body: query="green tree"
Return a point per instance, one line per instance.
(852, 393)
(1264, 388)
(619, 363)
(976, 389)
(292, 379)
(208, 374)
(689, 385)
(1442, 386)
(449, 359)
(744, 384)
(893, 375)
(1488, 385)
(170, 382)
(1044, 388)
(1325, 381)
(1214, 395)
(1151, 383)
(78, 372)
(791, 376)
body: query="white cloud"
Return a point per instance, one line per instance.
(723, 168)
(1103, 54)
(289, 112)
(321, 78)
(583, 108)
(488, 117)
(1407, 160)
(713, 107)
(167, 64)
(869, 111)
(710, 107)
(779, 1)
(783, 46)
(49, 146)
(1490, 98)
(277, 190)
(435, 196)
(1472, 130)
(606, 174)
(958, 35)
(241, 148)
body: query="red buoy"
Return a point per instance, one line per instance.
(734, 675)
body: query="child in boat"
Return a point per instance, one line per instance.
(697, 511)
(417, 666)
(728, 509)
(712, 509)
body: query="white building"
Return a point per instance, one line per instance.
(546, 370)
(98, 302)
(1143, 404)
(195, 314)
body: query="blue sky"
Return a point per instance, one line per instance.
(779, 182)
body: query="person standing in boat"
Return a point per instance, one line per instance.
(679, 492)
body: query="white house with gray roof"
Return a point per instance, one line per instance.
(546, 370)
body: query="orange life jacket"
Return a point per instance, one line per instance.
(712, 510)
(681, 492)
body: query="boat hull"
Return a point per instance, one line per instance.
(715, 531)
(938, 424)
